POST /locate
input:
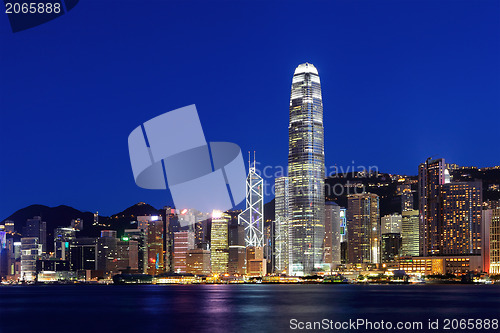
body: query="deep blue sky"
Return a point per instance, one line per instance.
(401, 80)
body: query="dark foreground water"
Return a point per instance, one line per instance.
(241, 308)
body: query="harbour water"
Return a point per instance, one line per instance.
(240, 308)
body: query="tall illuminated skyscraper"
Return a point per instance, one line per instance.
(306, 172)
(253, 216)
(219, 250)
(363, 216)
(450, 212)
(183, 242)
(333, 224)
(281, 213)
(431, 175)
(460, 227)
(410, 233)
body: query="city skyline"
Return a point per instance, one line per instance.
(382, 82)
(371, 196)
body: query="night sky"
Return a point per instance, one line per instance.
(401, 81)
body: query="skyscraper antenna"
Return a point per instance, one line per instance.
(254, 159)
(249, 160)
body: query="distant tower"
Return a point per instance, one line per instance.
(306, 172)
(253, 216)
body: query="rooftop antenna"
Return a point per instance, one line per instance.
(254, 159)
(249, 160)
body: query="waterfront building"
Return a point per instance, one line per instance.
(62, 239)
(495, 242)
(253, 216)
(281, 220)
(332, 235)
(457, 265)
(107, 256)
(183, 242)
(431, 175)
(219, 250)
(237, 253)
(139, 236)
(198, 262)
(31, 251)
(459, 229)
(410, 231)
(363, 215)
(83, 254)
(306, 173)
(256, 263)
(152, 226)
(127, 255)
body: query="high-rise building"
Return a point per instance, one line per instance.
(390, 224)
(390, 240)
(281, 217)
(431, 175)
(139, 236)
(237, 253)
(460, 225)
(62, 239)
(306, 172)
(487, 216)
(363, 228)
(153, 229)
(35, 227)
(450, 212)
(256, 263)
(107, 257)
(83, 254)
(183, 242)
(169, 215)
(253, 216)
(198, 262)
(4, 255)
(495, 242)
(219, 250)
(410, 231)
(127, 255)
(406, 195)
(31, 251)
(390, 247)
(343, 236)
(332, 235)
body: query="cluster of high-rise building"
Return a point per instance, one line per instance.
(312, 235)
(450, 232)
